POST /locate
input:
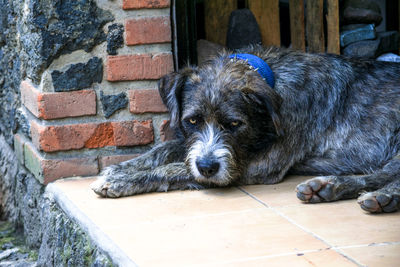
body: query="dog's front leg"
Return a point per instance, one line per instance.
(120, 176)
(164, 153)
(172, 176)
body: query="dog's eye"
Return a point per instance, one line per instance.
(193, 121)
(234, 123)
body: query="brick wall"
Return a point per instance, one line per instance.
(90, 109)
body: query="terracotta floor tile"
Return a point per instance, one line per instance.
(152, 207)
(228, 227)
(344, 223)
(376, 256)
(205, 240)
(278, 195)
(323, 258)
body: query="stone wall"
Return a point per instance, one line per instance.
(78, 87)
(59, 240)
(82, 90)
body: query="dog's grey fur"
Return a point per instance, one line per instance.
(327, 115)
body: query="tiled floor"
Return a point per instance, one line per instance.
(263, 225)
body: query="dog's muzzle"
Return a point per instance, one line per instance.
(210, 157)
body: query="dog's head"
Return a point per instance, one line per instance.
(226, 112)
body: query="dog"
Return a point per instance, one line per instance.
(323, 115)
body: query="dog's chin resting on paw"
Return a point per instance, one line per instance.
(324, 115)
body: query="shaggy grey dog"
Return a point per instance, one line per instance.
(326, 115)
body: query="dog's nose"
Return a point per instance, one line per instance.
(207, 167)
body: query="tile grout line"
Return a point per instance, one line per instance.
(301, 227)
(253, 197)
(369, 245)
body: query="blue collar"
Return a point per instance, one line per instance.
(258, 64)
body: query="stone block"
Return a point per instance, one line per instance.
(362, 32)
(112, 103)
(385, 42)
(78, 76)
(58, 27)
(361, 11)
(389, 57)
(115, 38)
(139, 67)
(145, 100)
(243, 29)
(148, 30)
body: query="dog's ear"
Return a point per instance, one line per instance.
(267, 99)
(170, 88)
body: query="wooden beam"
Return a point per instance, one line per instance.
(216, 14)
(315, 26)
(332, 19)
(267, 16)
(297, 32)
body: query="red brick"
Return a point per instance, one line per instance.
(91, 135)
(101, 137)
(58, 105)
(49, 170)
(148, 30)
(139, 67)
(115, 159)
(67, 104)
(146, 100)
(137, 4)
(166, 132)
(132, 133)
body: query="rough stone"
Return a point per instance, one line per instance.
(243, 29)
(385, 42)
(59, 240)
(361, 11)
(390, 57)
(51, 28)
(112, 103)
(362, 32)
(10, 68)
(78, 76)
(115, 38)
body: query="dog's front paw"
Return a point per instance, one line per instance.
(318, 189)
(377, 202)
(106, 187)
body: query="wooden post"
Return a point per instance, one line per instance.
(267, 16)
(315, 26)
(332, 19)
(297, 33)
(216, 14)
